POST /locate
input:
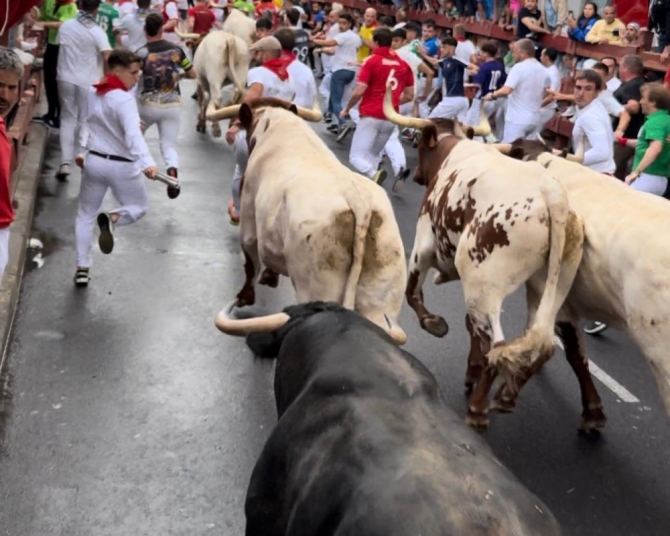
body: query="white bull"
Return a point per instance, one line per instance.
(306, 216)
(220, 56)
(238, 24)
(624, 276)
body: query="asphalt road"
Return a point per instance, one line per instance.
(125, 412)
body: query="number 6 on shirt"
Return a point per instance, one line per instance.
(392, 81)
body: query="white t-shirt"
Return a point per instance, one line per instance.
(554, 83)
(273, 86)
(464, 51)
(613, 84)
(528, 79)
(79, 56)
(303, 82)
(345, 54)
(399, 25)
(612, 106)
(127, 8)
(410, 58)
(593, 122)
(133, 27)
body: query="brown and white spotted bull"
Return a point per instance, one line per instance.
(624, 275)
(220, 57)
(306, 216)
(495, 225)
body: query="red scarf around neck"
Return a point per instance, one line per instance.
(109, 83)
(279, 65)
(460, 39)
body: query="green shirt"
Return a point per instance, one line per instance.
(655, 128)
(62, 14)
(108, 19)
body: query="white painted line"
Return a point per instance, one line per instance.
(613, 385)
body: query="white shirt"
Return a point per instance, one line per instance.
(410, 58)
(114, 127)
(612, 106)
(345, 54)
(127, 8)
(528, 79)
(593, 122)
(79, 57)
(273, 86)
(133, 27)
(613, 84)
(303, 82)
(554, 83)
(465, 50)
(399, 25)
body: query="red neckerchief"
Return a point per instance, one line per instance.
(290, 56)
(279, 65)
(460, 39)
(109, 83)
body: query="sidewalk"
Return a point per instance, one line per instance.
(29, 172)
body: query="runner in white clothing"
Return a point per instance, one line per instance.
(117, 158)
(271, 79)
(131, 28)
(84, 48)
(300, 74)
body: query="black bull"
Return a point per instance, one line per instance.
(365, 446)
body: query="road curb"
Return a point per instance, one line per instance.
(24, 207)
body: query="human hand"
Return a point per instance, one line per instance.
(79, 160)
(632, 177)
(231, 134)
(150, 172)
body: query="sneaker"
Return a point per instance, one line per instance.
(195, 95)
(400, 179)
(172, 191)
(595, 328)
(490, 138)
(63, 172)
(343, 133)
(379, 177)
(333, 127)
(81, 277)
(327, 117)
(234, 216)
(106, 240)
(407, 134)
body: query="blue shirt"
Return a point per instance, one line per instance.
(491, 76)
(432, 46)
(453, 71)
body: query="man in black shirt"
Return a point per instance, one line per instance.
(631, 70)
(301, 47)
(530, 21)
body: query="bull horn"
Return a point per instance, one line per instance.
(186, 35)
(401, 120)
(313, 116)
(578, 157)
(504, 148)
(458, 129)
(395, 332)
(225, 113)
(240, 328)
(484, 127)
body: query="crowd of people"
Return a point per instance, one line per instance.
(112, 70)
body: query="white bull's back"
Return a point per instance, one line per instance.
(237, 23)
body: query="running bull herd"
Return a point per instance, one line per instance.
(364, 444)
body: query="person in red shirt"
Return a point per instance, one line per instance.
(268, 10)
(11, 72)
(382, 67)
(201, 19)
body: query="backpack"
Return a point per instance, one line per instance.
(657, 14)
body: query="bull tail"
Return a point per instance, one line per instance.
(538, 341)
(232, 65)
(362, 216)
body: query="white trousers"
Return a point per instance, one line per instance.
(451, 108)
(652, 184)
(396, 152)
(127, 185)
(4, 250)
(324, 88)
(73, 101)
(241, 160)
(369, 140)
(167, 120)
(546, 114)
(514, 132)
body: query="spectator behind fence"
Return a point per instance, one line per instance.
(607, 31)
(632, 33)
(11, 73)
(651, 164)
(530, 21)
(659, 22)
(613, 83)
(579, 29)
(631, 71)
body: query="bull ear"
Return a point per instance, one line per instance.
(293, 109)
(429, 136)
(517, 153)
(469, 133)
(246, 116)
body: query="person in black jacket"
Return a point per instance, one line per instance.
(659, 21)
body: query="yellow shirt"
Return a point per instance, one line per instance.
(365, 33)
(278, 3)
(602, 30)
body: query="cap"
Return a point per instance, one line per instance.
(633, 25)
(266, 43)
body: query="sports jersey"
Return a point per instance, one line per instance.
(108, 20)
(203, 19)
(453, 74)
(301, 47)
(161, 63)
(382, 65)
(491, 77)
(268, 10)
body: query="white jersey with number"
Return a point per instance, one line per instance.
(273, 86)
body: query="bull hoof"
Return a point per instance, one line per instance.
(501, 405)
(593, 421)
(216, 131)
(478, 421)
(269, 279)
(246, 296)
(200, 128)
(435, 325)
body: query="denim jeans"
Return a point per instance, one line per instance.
(338, 82)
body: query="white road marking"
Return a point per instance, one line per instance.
(613, 385)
